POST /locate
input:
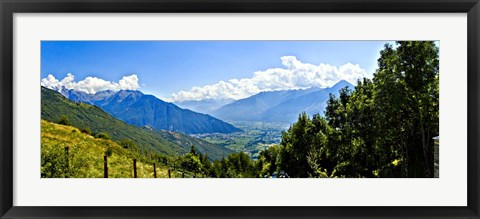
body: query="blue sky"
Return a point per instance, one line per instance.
(167, 67)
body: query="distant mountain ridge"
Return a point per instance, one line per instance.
(144, 110)
(206, 106)
(279, 106)
(311, 103)
(82, 115)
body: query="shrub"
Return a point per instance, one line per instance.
(109, 152)
(64, 120)
(128, 144)
(103, 135)
(52, 162)
(86, 131)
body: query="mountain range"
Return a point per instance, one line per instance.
(279, 106)
(206, 106)
(137, 108)
(83, 115)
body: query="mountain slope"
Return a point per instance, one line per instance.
(279, 106)
(83, 115)
(311, 103)
(206, 106)
(140, 109)
(252, 108)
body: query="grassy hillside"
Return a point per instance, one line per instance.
(82, 115)
(85, 156)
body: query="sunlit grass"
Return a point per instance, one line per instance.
(86, 156)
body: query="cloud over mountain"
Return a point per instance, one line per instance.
(293, 75)
(90, 85)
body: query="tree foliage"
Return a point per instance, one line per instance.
(381, 128)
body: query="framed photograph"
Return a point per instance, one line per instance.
(227, 109)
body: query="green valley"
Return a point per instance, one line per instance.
(256, 137)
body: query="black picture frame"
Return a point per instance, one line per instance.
(9, 7)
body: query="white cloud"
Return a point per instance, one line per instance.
(90, 85)
(294, 75)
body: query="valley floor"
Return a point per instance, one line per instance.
(256, 136)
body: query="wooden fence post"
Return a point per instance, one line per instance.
(134, 168)
(105, 167)
(183, 175)
(154, 170)
(169, 176)
(67, 167)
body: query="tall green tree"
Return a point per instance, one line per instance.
(361, 112)
(296, 143)
(320, 156)
(406, 102)
(419, 65)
